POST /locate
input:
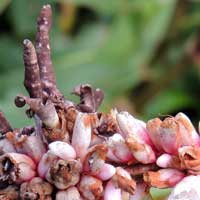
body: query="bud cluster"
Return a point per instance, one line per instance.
(75, 152)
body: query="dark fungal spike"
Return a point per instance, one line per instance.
(32, 75)
(47, 77)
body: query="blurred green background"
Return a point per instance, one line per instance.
(145, 55)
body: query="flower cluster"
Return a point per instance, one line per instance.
(76, 152)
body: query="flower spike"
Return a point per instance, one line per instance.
(32, 75)
(44, 53)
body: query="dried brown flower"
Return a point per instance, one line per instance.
(64, 173)
(36, 189)
(90, 98)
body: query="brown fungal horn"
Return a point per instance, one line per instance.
(32, 74)
(47, 77)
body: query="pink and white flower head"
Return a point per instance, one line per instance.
(81, 154)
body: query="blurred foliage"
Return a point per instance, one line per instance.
(145, 55)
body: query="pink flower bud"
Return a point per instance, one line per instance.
(17, 168)
(62, 149)
(137, 138)
(90, 187)
(48, 115)
(168, 161)
(141, 151)
(34, 147)
(106, 172)
(188, 133)
(163, 178)
(81, 135)
(95, 158)
(190, 157)
(71, 193)
(187, 189)
(171, 136)
(123, 180)
(117, 145)
(45, 163)
(94, 162)
(132, 126)
(112, 192)
(153, 128)
(111, 157)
